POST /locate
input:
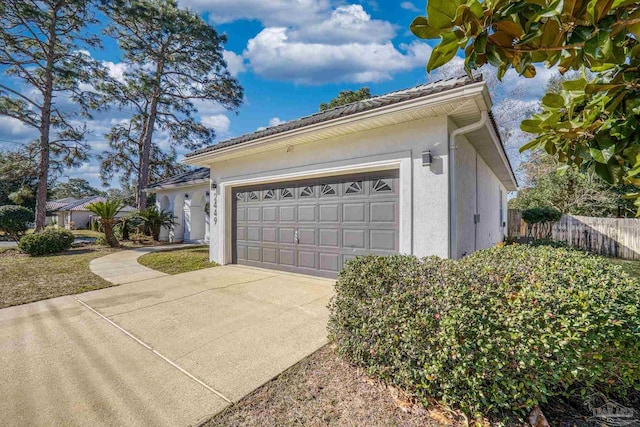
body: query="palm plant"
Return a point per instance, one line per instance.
(154, 219)
(107, 211)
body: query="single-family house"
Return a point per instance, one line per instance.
(72, 213)
(418, 171)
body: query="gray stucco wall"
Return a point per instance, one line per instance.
(478, 191)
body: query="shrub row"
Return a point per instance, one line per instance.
(49, 241)
(501, 330)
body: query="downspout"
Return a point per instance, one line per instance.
(453, 221)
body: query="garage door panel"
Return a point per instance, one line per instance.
(253, 234)
(329, 237)
(306, 236)
(287, 213)
(329, 213)
(269, 235)
(383, 211)
(307, 213)
(269, 213)
(315, 226)
(353, 212)
(241, 252)
(287, 257)
(353, 239)
(241, 233)
(287, 235)
(329, 262)
(384, 240)
(269, 255)
(253, 214)
(307, 259)
(253, 253)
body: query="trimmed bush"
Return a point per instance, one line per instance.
(49, 241)
(14, 220)
(501, 330)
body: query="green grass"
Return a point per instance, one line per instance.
(87, 233)
(178, 260)
(26, 279)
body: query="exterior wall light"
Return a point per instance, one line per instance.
(186, 195)
(426, 158)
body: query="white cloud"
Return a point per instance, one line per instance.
(274, 121)
(116, 70)
(347, 24)
(314, 41)
(407, 5)
(218, 122)
(269, 12)
(273, 55)
(235, 62)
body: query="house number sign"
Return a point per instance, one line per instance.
(215, 207)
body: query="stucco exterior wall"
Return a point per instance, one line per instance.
(423, 190)
(187, 203)
(478, 191)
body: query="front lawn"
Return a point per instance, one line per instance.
(26, 279)
(178, 260)
(87, 234)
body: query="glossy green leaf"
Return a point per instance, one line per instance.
(553, 100)
(420, 28)
(444, 52)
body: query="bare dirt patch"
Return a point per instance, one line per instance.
(323, 390)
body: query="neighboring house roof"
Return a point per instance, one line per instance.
(71, 204)
(347, 110)
(194, 176)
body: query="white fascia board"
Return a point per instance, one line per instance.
(468, 91)
(176, 186)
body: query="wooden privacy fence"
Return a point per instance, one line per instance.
(615, 237)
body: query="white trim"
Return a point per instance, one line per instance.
(180, 185)
(432, 100)
(401, 161)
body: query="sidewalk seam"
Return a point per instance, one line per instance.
(157, 353)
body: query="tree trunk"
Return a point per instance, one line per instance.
(143, 177)
(109, 234)
(45, 129)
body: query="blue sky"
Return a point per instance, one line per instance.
(291, 55)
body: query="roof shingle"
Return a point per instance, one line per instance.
(346, 110)
(183, 178)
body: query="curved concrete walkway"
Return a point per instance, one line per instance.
(123, 267)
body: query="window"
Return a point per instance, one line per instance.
(354, 187)
(240, 196)
(381, 186)
(306, 192)
(269, 194)
(328, 190)
(286, 194)
(253, 196)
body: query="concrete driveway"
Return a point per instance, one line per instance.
(172, 350)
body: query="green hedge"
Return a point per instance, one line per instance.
(49, 241)
(501, 330)
(14, 220)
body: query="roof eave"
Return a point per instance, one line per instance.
(433, 100)
(174, 186)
